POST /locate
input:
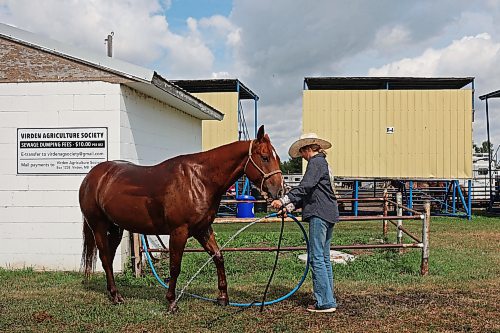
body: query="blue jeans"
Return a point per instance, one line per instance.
(320, 237)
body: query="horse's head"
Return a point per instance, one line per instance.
(263, 165)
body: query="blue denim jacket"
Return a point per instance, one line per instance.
(315, 193)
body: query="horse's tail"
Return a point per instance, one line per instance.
(89, 253)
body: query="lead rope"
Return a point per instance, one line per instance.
(275, 260)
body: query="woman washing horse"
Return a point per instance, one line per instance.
(315, 196)
(178, 197)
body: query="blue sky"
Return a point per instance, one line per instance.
(180, 10)
(272, 45)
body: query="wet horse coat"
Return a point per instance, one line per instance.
(178, 197)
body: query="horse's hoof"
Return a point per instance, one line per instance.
(118, 299)
(173, 308)
(224, 301)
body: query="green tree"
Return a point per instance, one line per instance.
(483, 148)
(293, 165)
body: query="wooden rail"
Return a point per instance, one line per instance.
(422, 243)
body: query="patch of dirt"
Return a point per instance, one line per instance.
(445, 307)
(41, 316)
(357, 252)
(473, 308)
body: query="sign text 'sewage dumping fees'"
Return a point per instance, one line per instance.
(60, 150)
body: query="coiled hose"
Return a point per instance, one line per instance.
(277, 300)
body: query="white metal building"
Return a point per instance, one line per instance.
(63, 110)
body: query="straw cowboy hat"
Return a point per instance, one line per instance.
(306, 140)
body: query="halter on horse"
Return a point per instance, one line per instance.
(262, 172)
(178, 197)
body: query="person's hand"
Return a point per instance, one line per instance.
(276, 204)
(282, 212)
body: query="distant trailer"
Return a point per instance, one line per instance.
(292, 179)
(494, 189)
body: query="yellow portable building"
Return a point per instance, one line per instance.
(393, 127)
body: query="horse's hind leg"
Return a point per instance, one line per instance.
(107, 245)
(114, 238)
(207, 240)
(177, 242)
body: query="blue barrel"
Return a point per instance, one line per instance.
(244, 209)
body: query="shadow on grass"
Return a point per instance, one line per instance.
(249, 294)
(128, 291)
(485, 213)
(220, 318)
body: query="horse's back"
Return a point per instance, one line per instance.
(129, 195)
(96, 174)
(150, 199)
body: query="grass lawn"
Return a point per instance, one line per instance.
(379, 291)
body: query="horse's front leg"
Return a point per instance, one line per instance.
(207, 240)
(177, 243)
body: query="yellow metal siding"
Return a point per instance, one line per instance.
(432, 132)
(218, 133)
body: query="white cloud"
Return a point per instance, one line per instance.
(391, 37)
(138, 26)
(193, 53)
(424, 65)
(221, 75)
(234, 37)
(141, 31)
(222, 27)
(187, 56)
(470, 55)
(221, 23)
(192, 25)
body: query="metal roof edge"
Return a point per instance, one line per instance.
(193, 86)
(493, 94)
(324, 80)
(391, 77)
(248, 90)
(191, 101)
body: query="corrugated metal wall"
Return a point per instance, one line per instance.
(432, 132)
(218, 133)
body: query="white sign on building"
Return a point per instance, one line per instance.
(60, 150)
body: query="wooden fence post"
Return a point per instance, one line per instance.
(424, 268)
(386, 208)
(137, 255)
(399, 201)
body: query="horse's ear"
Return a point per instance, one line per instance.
(260, 133)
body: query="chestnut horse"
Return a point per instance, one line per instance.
(178, 197)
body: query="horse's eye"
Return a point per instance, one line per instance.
(265, 158)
